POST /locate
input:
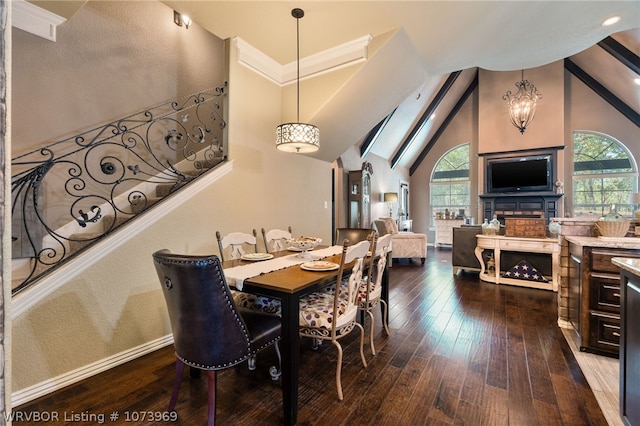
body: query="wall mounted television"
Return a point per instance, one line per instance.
(520, 174)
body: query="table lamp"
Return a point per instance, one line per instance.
(390, 197)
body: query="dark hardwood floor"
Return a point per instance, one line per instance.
(460, 352)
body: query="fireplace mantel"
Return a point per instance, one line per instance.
(525, 205)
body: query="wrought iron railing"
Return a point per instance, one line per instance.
(71, 193)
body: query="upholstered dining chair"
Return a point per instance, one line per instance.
(209, 332)
(234, 244)
(327, 316)
(276, 239)
(354, 235)
(370, 290)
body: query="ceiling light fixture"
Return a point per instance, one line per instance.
(522, 105)
(297, 137)
(610, 21)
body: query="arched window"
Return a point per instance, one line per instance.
(450, 182)
(604, 173)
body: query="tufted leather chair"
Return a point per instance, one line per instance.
(210, 333)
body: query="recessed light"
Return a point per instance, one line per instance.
(611, 21)
(637, 81)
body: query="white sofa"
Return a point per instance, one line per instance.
(404, 245)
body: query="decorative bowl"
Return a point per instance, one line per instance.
(304, 243)
(612, 228)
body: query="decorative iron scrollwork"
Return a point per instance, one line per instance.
(71, 193)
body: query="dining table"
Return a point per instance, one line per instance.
(289, 284)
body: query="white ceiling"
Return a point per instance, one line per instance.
(448, 35)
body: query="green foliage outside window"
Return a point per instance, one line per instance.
(604, 174)
(450, 182)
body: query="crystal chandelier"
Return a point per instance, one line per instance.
(297, 137)
(522, 105)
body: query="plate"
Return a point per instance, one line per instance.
(319, 265)
(256, 256)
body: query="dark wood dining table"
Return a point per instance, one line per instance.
(288, 285)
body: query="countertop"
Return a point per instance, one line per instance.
(610, 242)
(628, 264)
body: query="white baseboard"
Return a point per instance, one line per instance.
(48, 386)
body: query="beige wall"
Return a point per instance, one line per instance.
(116, 305)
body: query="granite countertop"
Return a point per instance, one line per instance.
(628, 263)
(610, 242)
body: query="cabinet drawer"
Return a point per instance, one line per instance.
(535, 246)
(604, 331)
(601, 259)
(604, 293)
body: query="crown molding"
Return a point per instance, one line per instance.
(35, 20)
(341, 56)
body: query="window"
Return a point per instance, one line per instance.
(450, 182)
(604, 173)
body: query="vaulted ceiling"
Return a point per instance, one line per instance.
(445, 37)
(440, 38)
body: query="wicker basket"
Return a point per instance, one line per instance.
(612, 228)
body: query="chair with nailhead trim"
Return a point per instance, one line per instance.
(209, 332)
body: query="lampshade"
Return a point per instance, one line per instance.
(297, 137)
(522, 105)
(390, 197)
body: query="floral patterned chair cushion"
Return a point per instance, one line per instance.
(376, 292)
(254, 302)
(316, 309)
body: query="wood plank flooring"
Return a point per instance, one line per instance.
(460, 352)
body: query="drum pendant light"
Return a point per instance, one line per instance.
(297, 137)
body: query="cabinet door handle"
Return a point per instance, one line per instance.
(616, 334)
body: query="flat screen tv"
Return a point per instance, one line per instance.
(520, 174)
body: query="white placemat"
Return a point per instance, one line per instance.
(235, 276)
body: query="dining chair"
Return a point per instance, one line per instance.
(209, 332)
(234, 244)
(354, 235)
(327, 316)
(276, 239)
(370, 290)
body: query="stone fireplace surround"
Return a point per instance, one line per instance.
(528, 205)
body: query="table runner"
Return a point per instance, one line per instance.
(236, 275)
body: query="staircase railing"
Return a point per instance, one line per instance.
(70, 194)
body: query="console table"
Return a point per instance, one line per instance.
(527, 245)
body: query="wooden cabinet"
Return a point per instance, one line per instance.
(360, 197)
(630, 348)
(594, 283)
(444, 230)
